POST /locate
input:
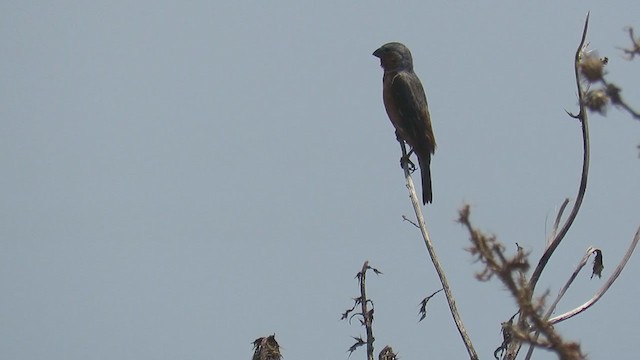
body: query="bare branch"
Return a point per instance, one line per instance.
(591, 250)
(434, 258)
(559, 235)
(564, 289)
(582, 116)
(606, 285)
(410, 221)
(491, 253)
(556, 224)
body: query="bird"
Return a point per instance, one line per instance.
(406, 104)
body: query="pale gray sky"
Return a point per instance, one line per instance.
(179, 179)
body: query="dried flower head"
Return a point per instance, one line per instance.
(387, 354)
(592, 67)
(266, 348)
(596, 100)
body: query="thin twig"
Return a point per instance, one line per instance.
(635, 50)
(434, 258)
(604, 287)
(556, 224)
(561, 293)
(410, 221)
(613, 92)
(590, 251)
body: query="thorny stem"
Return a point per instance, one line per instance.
(367, 318)
(434, 258)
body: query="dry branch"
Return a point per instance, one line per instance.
(604, 287)
(365, 314)
(582, 117)
(434, 258)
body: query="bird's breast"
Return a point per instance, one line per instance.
(391, 103)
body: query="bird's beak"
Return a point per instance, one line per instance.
(378, 53)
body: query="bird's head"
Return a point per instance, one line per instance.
(394, 56)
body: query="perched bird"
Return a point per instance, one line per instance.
(406, 104)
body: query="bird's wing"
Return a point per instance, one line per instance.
(411, 103)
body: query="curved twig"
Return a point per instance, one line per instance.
(582, 116)
(561, 293)
(556, 224)
(514, 348)
(604, 287)
(434, 258)
(591, 250)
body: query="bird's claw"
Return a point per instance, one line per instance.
(410, 165)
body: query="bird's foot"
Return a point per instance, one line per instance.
(406, 161)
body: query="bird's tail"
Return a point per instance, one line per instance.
(425, 172)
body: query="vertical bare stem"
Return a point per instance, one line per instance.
(434, 259)
(366, 315)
